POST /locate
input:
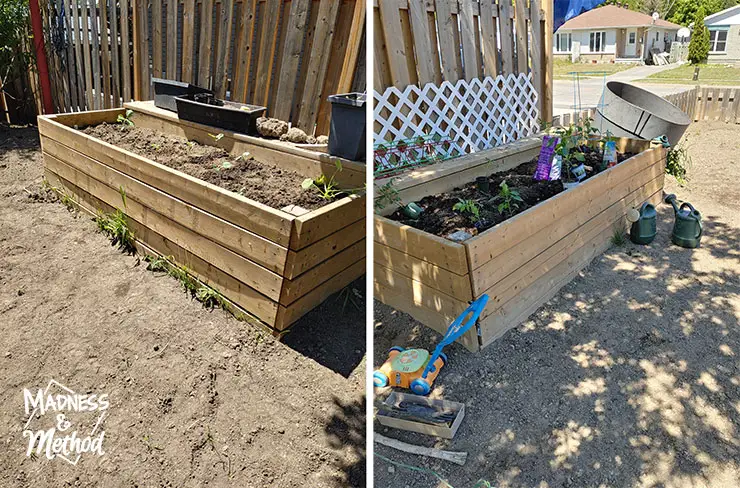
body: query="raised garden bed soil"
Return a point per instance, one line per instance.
(440, 219)
(265, 183)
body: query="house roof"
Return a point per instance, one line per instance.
(721, 13)
(611, 16)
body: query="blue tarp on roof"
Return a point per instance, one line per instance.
(564, 10)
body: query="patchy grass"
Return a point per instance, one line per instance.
(709, 74)
(561, 68)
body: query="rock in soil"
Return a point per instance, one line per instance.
(295, 135)
(269, 127)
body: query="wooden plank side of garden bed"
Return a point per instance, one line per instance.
(423, 245)
(298, 262)
(260, 306)
(244, 270)
(441, 177)
(251, 246)
(529, 299)
(243, 212)
(574, 210)
(317, 224)
(272, 151)
(433, 309)
(487, 245)
(318, 275)
(288, 315)
(602, 225)
(455, 285)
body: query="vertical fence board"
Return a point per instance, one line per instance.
(521, 35)
(222, 54)
(317, 64)
(394, 43)
(268, 46)
(353, 48)
(105, 53)
(422, 42)
(188, 40)
(115, 59)
(469, 34)
(297, 25)
(95, 39)
(206, 43)
(156, 37)
(171, 58)
(125, 52)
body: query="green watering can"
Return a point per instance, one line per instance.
(687, 228)
(643, 229)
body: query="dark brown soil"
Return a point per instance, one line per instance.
(262, 182)
(440, 219)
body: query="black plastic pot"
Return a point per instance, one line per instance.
(347, 130)
(206, 109)
(483, 183)
(165, 92)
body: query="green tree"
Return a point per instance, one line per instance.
(699, 45)
(13, 26)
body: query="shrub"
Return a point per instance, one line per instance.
(699, 45)
(13, 29)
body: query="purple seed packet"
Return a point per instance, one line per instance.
(544, 162)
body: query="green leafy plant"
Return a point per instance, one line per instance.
(15, 50)
(508, 199)
(387, 195)
(469, 207)
(115, 225)
(677, 162)
(216, 137)
(125, 119)
(568, 148)
(326, 186)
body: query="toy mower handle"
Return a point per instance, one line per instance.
(457, 329)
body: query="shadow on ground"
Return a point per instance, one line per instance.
(628, 378)
(346, 430)
(333, 334)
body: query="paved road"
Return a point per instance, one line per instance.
(591, 89)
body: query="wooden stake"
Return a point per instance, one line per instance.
(451, 456)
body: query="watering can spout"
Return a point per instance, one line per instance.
(672, 200)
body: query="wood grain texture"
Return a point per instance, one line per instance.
(297, 25)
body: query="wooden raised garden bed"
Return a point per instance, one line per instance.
(275, 265)
(521, 262)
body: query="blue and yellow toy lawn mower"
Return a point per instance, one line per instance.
(416, 368)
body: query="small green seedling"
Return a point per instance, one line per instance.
(190, 144)
(125, 119)
(326, 187)
(216, 137)
(387, 195)
(509, 198)
(156, 146)
(245, 156)
(115, 225)
(225, 165)
(468, 207)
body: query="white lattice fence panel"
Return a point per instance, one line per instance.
(475, 115)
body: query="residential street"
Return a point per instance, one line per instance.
(591, 89)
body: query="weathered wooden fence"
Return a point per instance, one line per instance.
(288, 55)
(431, 41)
(709, 103)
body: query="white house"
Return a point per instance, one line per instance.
(612, 33)
(724, 35)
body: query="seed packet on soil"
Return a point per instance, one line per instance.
(544, 162)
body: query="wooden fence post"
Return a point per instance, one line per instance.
(546, 107)
(137, 43)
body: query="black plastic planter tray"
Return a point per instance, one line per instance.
(236, 117)
(347, 129)
(165, 92)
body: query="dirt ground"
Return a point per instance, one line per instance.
(629, 377)
(196, 397)
(245, 175)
